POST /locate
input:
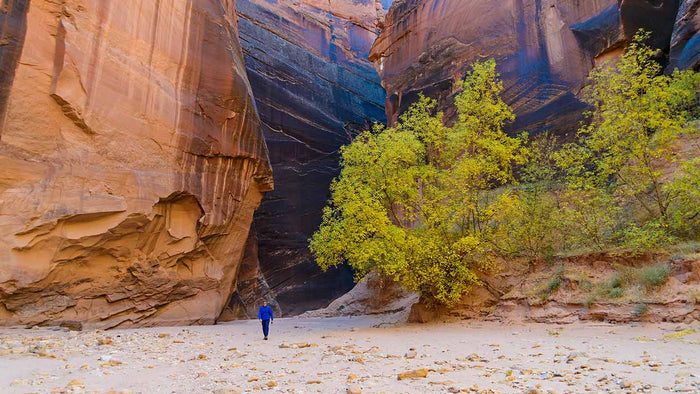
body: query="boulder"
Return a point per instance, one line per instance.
(372, 295)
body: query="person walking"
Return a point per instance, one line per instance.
(265, 316)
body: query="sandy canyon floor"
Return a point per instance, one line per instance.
(361, 353)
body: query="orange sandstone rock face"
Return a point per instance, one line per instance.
(544, 49)
(132, 162)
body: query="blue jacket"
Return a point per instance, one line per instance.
(265, 313)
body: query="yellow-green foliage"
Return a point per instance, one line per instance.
(693, 296)
(680, 334)
(414, 201)
(553, 285)
(432, 206)
(649, 277)
(684, 209)
(653, 276)
(641, 309)
(638, 118)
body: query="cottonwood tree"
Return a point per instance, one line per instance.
(416, 202)
(629, 150)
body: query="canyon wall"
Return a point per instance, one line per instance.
(132, 161)
(315, 89)
(685, 43)
(133, 133)
(544, 50)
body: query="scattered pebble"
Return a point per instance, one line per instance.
(455, 358)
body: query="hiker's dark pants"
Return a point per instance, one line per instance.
(266, 326)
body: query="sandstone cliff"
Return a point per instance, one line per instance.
(314, 88)
(544, 48)
(132, 161)
(685, 43)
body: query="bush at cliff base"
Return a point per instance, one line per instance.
(433, 207)
(415, 202)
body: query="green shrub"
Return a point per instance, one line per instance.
(651, 236)
(586, 285)
(641, 309)
(649, 277)
(615, 282)
(616, 292)
(688, 248)
(553, 285)
(653, 276)
(589, 300)
(612, 288)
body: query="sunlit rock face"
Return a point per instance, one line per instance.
(132, 161)
(544, 49)
(315, 89)
(685, 43)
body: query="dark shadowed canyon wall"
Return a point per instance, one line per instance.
(315, 89)
(13, 27)
(685, 43)
(132, 161)
(544, 49)
(306, 63)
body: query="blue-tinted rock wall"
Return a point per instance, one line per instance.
(314, 89)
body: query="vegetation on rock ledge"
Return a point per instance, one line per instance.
(433, 206)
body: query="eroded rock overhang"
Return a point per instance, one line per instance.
(132, 159)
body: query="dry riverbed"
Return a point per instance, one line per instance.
(338, 355)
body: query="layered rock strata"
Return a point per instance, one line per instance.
(596, 287)
(132, 162)
(315, 89)
(579, 297)
(544, 49)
